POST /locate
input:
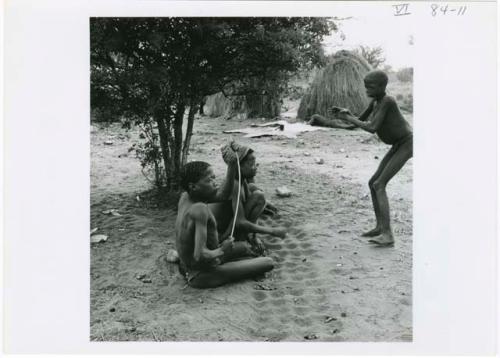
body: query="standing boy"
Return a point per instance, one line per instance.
(204, 261)
(384, 118)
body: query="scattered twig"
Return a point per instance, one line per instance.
(154, 336)
(146, 176)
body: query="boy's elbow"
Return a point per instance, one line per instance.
(198, 256)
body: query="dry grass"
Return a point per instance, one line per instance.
(218, 105)
(340, 84)
(403, 92)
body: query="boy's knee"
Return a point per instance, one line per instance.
(370, 183)
(252, 187)
(268, 262)
(259, 197)
(378, 185)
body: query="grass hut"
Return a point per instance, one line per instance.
(218, 105)
(339, 83)
(263, 102)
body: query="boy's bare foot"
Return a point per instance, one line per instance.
(256, 245)
(372, 233)
(385, 239)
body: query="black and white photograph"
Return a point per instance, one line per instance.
(251, 179)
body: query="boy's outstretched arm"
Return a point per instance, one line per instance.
(224, 192)
(364, 116)
(199, 215)
(371, 125)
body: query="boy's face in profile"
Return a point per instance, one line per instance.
(373, 88)
(206, 187)
(249, 166)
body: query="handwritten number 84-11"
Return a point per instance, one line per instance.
(445, 10)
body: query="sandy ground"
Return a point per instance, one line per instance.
(329, 284)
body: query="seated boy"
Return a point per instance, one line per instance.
(251, 206)
(204, 261)
(384, 118)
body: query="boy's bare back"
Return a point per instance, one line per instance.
(185, 226)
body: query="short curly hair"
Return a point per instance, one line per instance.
(377, 76)
(192, 172)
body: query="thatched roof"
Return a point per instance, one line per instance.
(339, 83)
(243, 107)
(218, 105)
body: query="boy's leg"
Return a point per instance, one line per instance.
(240, 249)
(378, 227)
(251, 185)
(224, 216)
(255, 205)
(269, 208)
(232, 271)
(394, 165)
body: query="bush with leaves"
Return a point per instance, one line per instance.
(153, 70)
(373, 55)
(405, 74)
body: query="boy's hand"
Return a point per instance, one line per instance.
(332, 110)
(338, 110)
(228, 154)
(270, 209)
(227, 245)
(335, 109)
(279, 232)
(257, 244)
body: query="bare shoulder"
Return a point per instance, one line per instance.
(389, 100)
(198, 211)
(183, 198)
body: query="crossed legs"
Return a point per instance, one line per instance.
(232, 271)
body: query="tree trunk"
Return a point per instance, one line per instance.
(177, 149)
(202, 104)
(162, 119)
(189, 132)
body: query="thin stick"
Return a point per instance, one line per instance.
(154, 336)
(239, 193)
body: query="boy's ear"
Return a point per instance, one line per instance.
(191, 186)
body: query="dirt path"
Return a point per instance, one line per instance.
(328, 285)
